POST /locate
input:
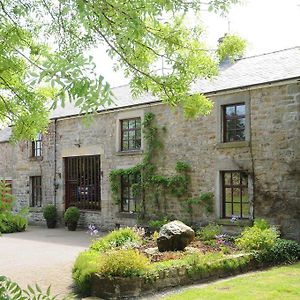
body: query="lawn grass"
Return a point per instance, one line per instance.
(276, 283)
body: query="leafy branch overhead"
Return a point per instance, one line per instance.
(44, 62)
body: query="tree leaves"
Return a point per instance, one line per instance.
(44, 61)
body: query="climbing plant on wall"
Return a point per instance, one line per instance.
(151, 182)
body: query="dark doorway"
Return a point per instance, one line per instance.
(83, 178)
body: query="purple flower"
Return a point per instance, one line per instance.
(234, 218)
(92, 230)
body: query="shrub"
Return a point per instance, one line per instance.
(10, 222)
(283, 251)
(209, 232)
(123, 263)
(72, 215)
(84, 266)
(50, 212)
(155, 225)
(118, 238)
(258, 238)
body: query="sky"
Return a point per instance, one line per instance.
(267, 25)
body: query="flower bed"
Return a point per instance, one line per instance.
(127, 264)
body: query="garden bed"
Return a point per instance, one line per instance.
(128, 288)
(126, 264)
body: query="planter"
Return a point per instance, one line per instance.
(72, 226)
(51, 223)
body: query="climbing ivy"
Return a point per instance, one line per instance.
(151, 182)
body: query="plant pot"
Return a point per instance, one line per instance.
(51, 223)
(72, 226)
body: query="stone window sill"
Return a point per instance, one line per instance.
(241, 144)
(132, 152)
(36, 158)
(227, 222)
(35, 209)
(126, 215)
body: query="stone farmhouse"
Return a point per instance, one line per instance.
(246, 151)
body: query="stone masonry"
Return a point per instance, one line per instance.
(270, 154)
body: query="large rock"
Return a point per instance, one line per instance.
(174, 236)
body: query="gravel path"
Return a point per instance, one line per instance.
(43, 256)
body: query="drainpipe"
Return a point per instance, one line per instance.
(55, 161)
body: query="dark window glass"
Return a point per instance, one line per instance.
(234, 122)
(235, 194)
(36, 191)
(37, 146)
(129, 193)
(83, 182)
(131, 134)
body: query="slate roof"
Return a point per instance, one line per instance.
(245, 72)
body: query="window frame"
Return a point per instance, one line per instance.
(36, 197)
(37, 146)
(135, 129)
(131, 179)
(236, 117)
(232, 186)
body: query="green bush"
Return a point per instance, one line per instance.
(10, 222)
(124, 237)
(72, 215)
(123, 263)
(50, 212)
(260, 237)
(283, 251)
(84, 266)
(209, 232)
(155, 225)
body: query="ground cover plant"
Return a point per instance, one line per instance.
(9, 221)
(127, 252)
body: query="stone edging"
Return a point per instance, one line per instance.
(132, 287)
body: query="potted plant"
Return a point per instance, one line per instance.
(71, 217)
(50, 214)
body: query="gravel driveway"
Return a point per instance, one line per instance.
(43, 256)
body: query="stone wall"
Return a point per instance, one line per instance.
(270, 154)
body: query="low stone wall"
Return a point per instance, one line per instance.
(129, 288)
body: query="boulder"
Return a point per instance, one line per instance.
(174, 236)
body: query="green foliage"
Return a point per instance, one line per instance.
(72, 215)
(155, 225)
(149, 182)
(283, 251)
(258, 238)
(232, 47)
(209, 232)
(261, 224)
(10, 290)
(204, 200)
(85, 265)
(123, 263)
(10, 222)
(50, 212)
(39, 72)
(123, 237)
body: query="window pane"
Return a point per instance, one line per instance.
(228, 195)
(236, 178)
(237, 209)
(245, 197)
(228, 210)
(240, 110)
(230, 110)
(227, 178)
(125, 124)
(240, 123)
(236, 195)
(131, 124)
(138, 123)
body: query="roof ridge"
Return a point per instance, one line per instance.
(267, 53)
